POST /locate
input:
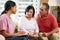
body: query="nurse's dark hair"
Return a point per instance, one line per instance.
(28, 8)
(8, 6)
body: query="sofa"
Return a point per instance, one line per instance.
(58, 34)
(15, 26)
(2, 37)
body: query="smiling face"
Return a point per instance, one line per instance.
(29, 13)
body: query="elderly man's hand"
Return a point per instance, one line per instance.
(45, 34)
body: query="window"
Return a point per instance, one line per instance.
(2, 2)
(21, 6)
(52, 2)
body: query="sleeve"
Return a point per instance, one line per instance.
(3, 24)
(36, 27)
(54, 22)
(21, 25)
